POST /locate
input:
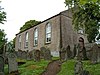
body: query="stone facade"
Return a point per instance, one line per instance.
(62, 34)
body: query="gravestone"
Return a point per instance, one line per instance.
(12, 63)
(74, 51)
(30, 55)
(78, 68)
(84, 72)
(36, 55)
(24, 55)
(1, 65)
(43, 50)
(63, 54)
(81, 50)
(47, 54)
(95, 55)
(19, 54)
(68, 53)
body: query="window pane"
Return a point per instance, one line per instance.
(35, 37)
(48, 32)
(26, 39)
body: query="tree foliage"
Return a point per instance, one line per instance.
(2, 15)
(86, 15)
(3, 40)
(29, 24)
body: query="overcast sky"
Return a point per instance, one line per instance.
(20, 11)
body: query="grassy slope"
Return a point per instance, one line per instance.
(68, 68)
(31, 67)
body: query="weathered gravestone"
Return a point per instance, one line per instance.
(68, 53)
(81, 50)
(1, 65)
(84, 72)
(45, 53)
(36, 55)
(19, 53)
(42, 49)
(78, 68)
(12, 63)
(30, 55)
(95, 55)
(24, 55)
(65, 53)
(62, 54)
(74, 51)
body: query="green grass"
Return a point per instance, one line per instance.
(68, 68)
(30, 67)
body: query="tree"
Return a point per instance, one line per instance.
(29, 24)
(2, 15)
(3, 40)
(86, 15)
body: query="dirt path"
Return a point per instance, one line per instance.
(53, 68)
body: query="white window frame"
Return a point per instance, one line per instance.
(35, 37)
(19, 41)
(48, 33)
(26, 39)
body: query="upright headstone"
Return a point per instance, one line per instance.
(24, 55)
(43, 50)
(95, 55)
(68, 52)
(19, 54)
(81, 51)
(63, 55)
(12, 63)
(47, 54)
(36, 55)
(78, 68)
(1, 65)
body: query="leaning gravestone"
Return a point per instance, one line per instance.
(36, 55)
(1, 65)
(12, 63)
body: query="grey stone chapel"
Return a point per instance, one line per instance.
(55, 33)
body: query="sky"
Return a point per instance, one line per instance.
(21, 11)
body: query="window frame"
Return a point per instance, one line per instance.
(35, 39)
(26, 39)
(19, 41)
(48, 33)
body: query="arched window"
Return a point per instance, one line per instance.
(35, 37)
(19, 41)
(26, 39)
(48, 33)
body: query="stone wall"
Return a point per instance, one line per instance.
(55, 36)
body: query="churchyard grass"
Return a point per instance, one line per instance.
(30, 67)
(68, 68)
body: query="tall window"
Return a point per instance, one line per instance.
(35, 37)
(19, 41)
(48, 33)
(26, 39)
